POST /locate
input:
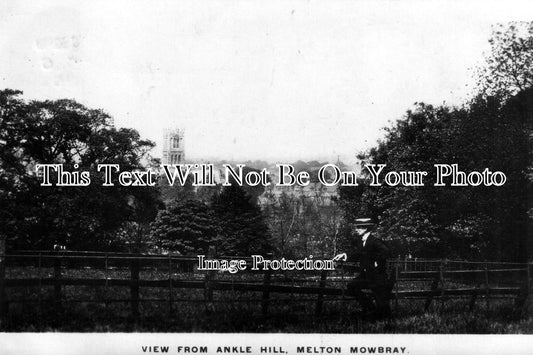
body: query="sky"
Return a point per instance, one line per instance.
(278, 81)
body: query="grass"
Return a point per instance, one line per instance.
(291, 316)
(241, 311)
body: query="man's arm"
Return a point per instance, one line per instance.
(351, 257)
(381, 252)
(340, 257)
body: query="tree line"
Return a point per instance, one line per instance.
(492, 129)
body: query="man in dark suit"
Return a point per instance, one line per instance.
(372, 257)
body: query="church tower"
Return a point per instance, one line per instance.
(173, 147)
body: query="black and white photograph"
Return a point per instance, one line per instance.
(266, 177)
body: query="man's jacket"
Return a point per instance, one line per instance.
(372, 258)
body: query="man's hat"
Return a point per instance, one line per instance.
(364, 222)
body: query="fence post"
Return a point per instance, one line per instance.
(57, 281)
(3, 301)
(434, 288)
(320, 298)
(442, 286)
(209, 277)
(106, 275)
(521, 301)
(528, 285)
(396, 281)
(487, 287)
(134, 287)
(40, 284)
(170, 284)
(266, 288)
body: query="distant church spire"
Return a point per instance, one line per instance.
(173, 147)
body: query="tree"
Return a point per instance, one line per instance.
(66, 132)
(508, 69)
(176, 192)
(493, 130)
(303, 221)
(243, 230)
(187, 227)
(281, 212)
(482, 222)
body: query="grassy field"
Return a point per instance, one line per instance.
(285, 315)
(238, 311)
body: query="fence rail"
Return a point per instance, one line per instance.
(444, 279)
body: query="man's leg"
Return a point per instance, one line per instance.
(355, 288)
(382, 294)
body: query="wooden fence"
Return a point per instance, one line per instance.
(440, 279)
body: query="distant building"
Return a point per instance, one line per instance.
(173, 147)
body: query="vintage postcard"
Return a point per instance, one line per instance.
(253, 177)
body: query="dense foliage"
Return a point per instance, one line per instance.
(244, 231)
(65, 132)
(508, 69)
(231, 223)
(491, 131)
(185, 227)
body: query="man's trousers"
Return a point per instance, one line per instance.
(381, 289)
